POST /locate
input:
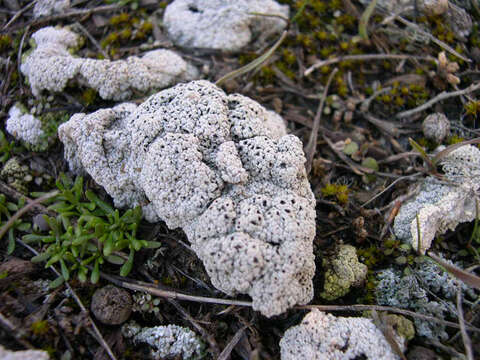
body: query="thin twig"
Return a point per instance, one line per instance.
(386, 126)
(18, 14)
(254, 64)
(311, 147)
(359, 307)
(409, 177)
(366, 103)
(141, 286)
(442, 96)
(11, 329)
(462, 275)
(400, 156)
(9, 191)
(92, 39)
(461, 321)
(97, 332)
(363, 57)
(440, 43)
(225, 355)
(25, 209)
(20, 49)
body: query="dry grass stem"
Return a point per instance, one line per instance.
(461, 321)
(365, 57)
(311, 147)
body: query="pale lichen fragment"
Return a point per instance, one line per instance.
(223, 24)
(169, 341)
(442, 205)
(323, 336)
(50, 66)
(24, 126)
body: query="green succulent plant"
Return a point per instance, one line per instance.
(87, 232)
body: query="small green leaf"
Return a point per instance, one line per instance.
(54, 259)
(370, 163)
(363, 23)
(12, 207)
(56, 283)
(24, 226)
(11, 242)
(127, 267)
(65, 272)
(153, 244)
(99, 230)
(137, 244)
(82, 274)
(101, 204)
(115, 259)
(78, 188)
(350, 148)
(40, 257)
(95, 273)
(30, 238)
(108, 246)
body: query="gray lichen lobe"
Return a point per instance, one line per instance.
(220, 167)
(223, 24)
(324, 336)
(50, 65)
(442, 205)
(24, 126)
(169, 341)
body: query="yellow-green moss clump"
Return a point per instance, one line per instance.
(402, 326)
(342, 271)
(340, 192)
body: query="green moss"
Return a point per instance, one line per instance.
(146, 27)
(402, 326)
(371, 256)
(289, 56)
(336, 190)
(111, 38)
(5, 42)
(455, 139)
(125, 34)
(40, 327)
(472, 108)
(119, 19)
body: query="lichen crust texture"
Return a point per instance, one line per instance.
(50, 66)
(223, 24)
(442, 205)
(322, 336)
(222, 168)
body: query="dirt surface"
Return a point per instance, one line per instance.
(366, 94)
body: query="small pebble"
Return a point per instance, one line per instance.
(40, 223)
(111, 305)
(436, 127)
